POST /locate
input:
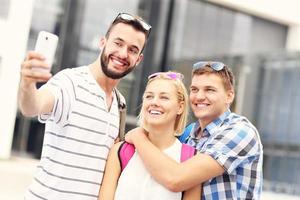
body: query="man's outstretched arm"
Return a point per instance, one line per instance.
(175, 176)
(31, 100)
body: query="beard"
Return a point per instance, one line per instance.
(104, 59)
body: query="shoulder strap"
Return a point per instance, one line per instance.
(187, 152)
(183, 137)
(125, 153)
(127, 150)
(122, 114)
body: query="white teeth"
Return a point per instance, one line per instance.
(155, 112)
(117, 62)
(201, 105)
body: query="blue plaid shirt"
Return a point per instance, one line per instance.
(235, 144)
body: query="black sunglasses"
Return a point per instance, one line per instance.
(129, 17)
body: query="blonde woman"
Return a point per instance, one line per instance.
(163, 115)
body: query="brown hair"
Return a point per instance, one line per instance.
(134, 23)
(225, 74)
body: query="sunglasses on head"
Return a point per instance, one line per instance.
(217, 66)
(129, 17)
(170, 75)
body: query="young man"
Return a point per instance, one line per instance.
(80, 109)
(229, 163)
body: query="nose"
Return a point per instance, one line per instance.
(123, 52)
(155, 101)
(200, 95)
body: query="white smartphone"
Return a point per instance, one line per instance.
(46, 45)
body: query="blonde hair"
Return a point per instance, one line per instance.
(182, 96)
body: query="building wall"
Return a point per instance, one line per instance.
(14, 24)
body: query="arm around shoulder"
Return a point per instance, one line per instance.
(193, 193)
(175, 176)
(191, 173)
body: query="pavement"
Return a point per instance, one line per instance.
(17, 172)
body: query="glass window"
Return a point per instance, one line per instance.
(4, 8)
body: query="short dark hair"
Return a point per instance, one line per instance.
(134, 23)
(225, 74)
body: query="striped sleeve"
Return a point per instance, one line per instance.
(62, 87)
(238, 144)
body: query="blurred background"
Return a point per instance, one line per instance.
(258, 39)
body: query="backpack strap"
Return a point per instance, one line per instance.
(127, 150)
(125, 153)
(187, 152)
(122, 113)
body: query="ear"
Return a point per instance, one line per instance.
(102, 42)
(181, 108)
(230, 96)
(140, 58)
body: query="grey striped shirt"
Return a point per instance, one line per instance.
(79, 133)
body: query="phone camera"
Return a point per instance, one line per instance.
(46, 38)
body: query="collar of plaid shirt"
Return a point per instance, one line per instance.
(210, 129)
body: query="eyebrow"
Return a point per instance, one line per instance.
(210, 86)
(205, 87)
(161, 93)
(134, 46)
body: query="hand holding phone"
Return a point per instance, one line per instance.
(46, 45)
